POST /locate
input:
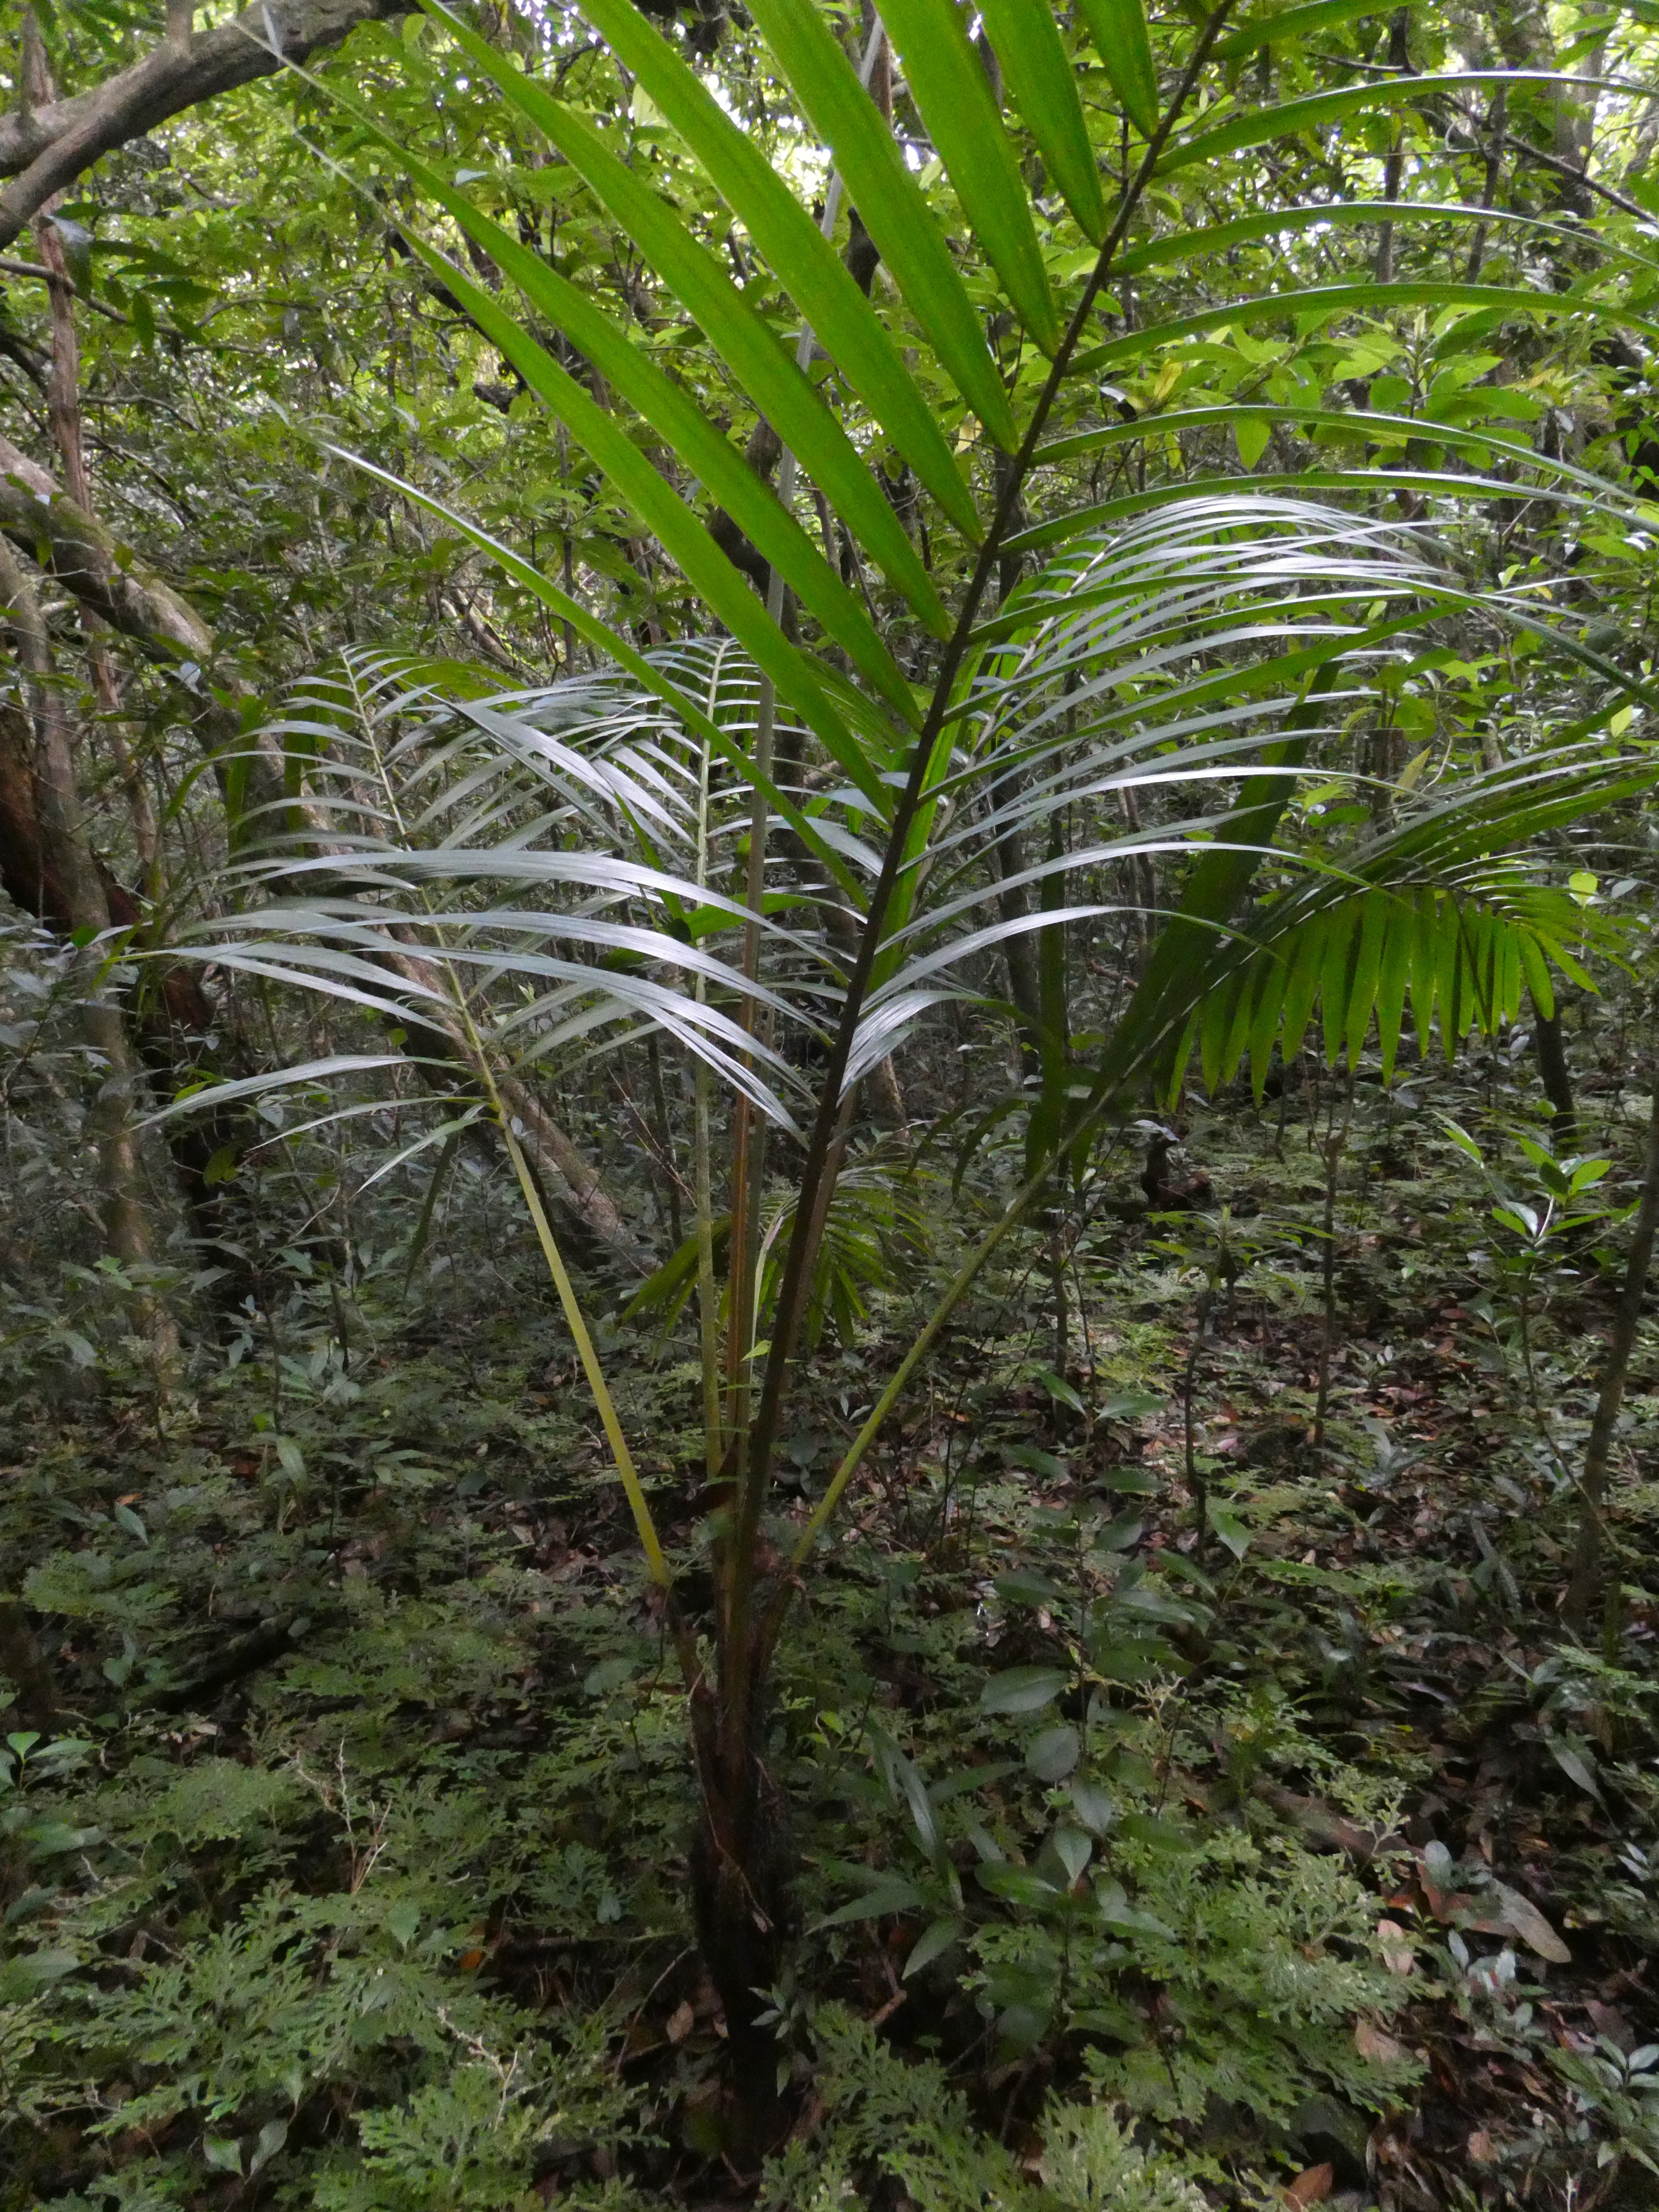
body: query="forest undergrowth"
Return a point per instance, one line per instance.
(1293, 1854)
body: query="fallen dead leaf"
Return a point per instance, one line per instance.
(1373, 2042)
(1523, 1917)
(680, 2023)
(1481, 2149)
(1398, 1955)
(1311, 2187)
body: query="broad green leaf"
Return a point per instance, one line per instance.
(806, 264)
(1450, 982)
(1038, 73)
(1094, 1807)
(1361, 421)
(1317, 303)
(892, 1893)
(1280, 27)
(26, 1973)
(889, 202)
(1251, 433)
(748, 344)
(1118, 28)
(1573, 1764)
(948, 83)
(1393, 977)
(1230, 1529)
(1216, 1018)
(1275, 224)
(1261, 124)
(1187, 946)
(1336, 973)
(1022, 1690)
(1302, 987)
(1271, 971)
(1362, 987)
(1507, 989)
(930, 1944)
(1536, 972)
(1054, 1754)
(1016, 1885)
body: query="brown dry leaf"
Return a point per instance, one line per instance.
(680, 2023)
(1373, 2042)
(1311, 2187)
(1523, 1917)
(1483, 2151)
(1398, 1955)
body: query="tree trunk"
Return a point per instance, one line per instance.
(64, 408)
(1019, 957)
(66, 865)
(23, 1666)
(740, 1869)
(1593, 1483)
(43, 148)
(1556, 1078)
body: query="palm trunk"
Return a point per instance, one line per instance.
(741, 1868)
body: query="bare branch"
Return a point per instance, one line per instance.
(43, 149)
(88, 559)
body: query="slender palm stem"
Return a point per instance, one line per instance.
(799, 1255)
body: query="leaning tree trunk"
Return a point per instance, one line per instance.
(70, 889)
(1581, 1590)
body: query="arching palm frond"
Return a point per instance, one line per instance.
(1458, 956)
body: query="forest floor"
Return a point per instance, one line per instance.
(342, 1856)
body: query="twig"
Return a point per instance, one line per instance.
(45, 275)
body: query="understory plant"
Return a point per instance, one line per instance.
(898, 769)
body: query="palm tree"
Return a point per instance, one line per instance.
(773, 849)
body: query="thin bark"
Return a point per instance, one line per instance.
(437, 1040)
(1019, 958)
(1582, 1589)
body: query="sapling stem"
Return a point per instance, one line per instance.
(1335, 1144)
(1593, 1482)
(1197, 1485)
